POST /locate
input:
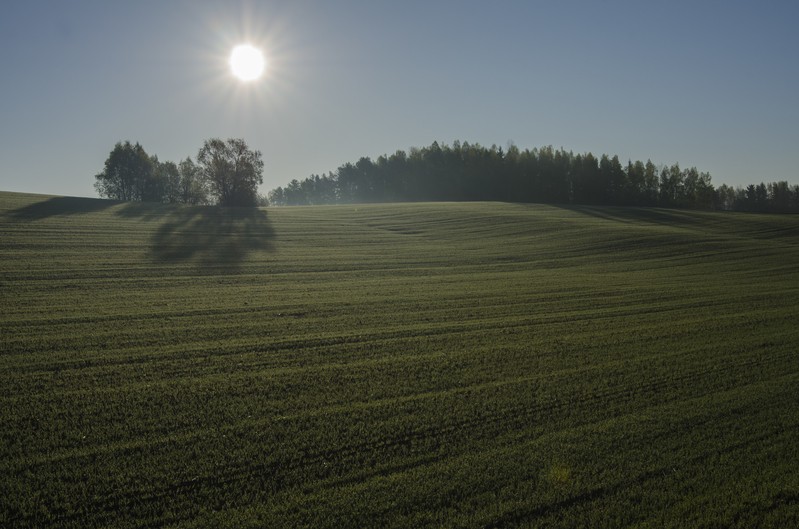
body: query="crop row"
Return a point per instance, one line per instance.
(472, 365)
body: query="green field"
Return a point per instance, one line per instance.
(403, 365)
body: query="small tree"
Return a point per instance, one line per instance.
(277, 197)
(192, 189)
(232, 170)
(155, 188)
(127, 175)
(167, 176)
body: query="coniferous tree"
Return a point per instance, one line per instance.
(464, 171)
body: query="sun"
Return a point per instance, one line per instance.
(247, 62)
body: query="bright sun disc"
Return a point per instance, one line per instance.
(247, 62)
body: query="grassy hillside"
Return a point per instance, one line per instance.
(410, 365)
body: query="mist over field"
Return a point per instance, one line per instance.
(477, 364)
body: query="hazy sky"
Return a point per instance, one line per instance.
(708, 84)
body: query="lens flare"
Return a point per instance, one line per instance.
(247, 62)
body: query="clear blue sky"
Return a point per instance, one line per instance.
(708, 84)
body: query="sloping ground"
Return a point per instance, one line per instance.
(410, 365)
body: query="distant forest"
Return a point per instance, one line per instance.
(471, 172)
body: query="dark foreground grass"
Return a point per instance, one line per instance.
(430, 365)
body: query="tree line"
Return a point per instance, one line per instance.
(226, 172)
(471, 172)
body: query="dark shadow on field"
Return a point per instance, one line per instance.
(60, 206)
(665, 217)
(209, 236)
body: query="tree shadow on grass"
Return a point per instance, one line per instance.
(215, 238)
(218, 239)
(60, 206)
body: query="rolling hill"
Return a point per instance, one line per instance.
(396, 365)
